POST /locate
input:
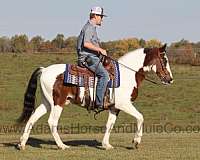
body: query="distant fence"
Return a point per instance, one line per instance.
(184, 56)
(176, 55)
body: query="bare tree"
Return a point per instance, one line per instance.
(5, 45)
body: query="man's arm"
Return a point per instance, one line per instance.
(94, 48)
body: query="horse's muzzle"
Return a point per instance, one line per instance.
(167, 81)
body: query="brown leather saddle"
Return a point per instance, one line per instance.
(87, 74)
(84, 72)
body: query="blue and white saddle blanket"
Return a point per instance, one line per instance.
(80, 81)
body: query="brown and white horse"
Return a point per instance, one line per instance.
(55, 95)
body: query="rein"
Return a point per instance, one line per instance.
(149, 80)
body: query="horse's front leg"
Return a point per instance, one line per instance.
(130, 109)
(109, 126)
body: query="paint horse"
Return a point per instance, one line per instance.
(132, 66)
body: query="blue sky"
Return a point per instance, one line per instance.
(167, 21)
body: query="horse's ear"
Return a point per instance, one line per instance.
(163, 48)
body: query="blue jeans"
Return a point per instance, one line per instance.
(93, 64)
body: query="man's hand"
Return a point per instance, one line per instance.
(103, 51)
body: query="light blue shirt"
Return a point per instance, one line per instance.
(87, 34)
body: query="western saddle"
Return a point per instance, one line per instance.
(86, 74)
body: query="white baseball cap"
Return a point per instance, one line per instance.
(98, 11)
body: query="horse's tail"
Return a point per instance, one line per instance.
(29, 96)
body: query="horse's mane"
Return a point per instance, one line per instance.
(133, 53)
(133, 59)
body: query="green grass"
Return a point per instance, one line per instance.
(165, 108)
(178, 103)
(164, 146)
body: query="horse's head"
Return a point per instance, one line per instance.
(156, 60)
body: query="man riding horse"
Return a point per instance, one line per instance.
(90, 53)
(55, 94)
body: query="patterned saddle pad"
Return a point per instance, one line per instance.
(79, 76)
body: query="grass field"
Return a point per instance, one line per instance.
(174, 108)
(154, 147)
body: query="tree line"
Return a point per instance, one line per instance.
(37, 44)
(183, 51)
(22, 44)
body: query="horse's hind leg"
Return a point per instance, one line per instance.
(53, 123)
(39, 112)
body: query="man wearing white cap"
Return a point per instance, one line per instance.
(89, 53)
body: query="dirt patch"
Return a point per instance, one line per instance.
(5, 106)
(196, 108)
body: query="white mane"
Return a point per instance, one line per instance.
(133, 59)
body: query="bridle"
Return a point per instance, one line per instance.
(163, 68)
(125, 66)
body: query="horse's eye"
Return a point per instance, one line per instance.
(162, 54)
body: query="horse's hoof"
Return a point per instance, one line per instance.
(20, 147)
(135, 144)
(63, 147)
(107, 146)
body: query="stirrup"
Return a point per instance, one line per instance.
(98, 111)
